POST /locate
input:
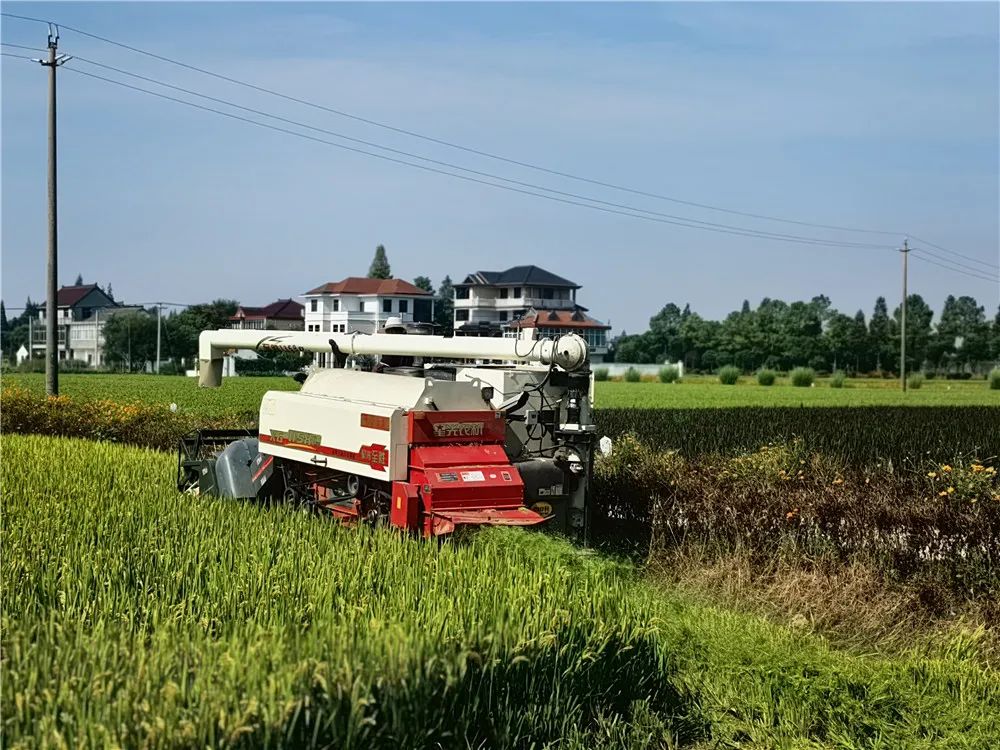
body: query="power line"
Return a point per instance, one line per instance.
(18, 57)
(449, 165)
(480, 152)
(21, 46)
(946, 250)
(959, 264)
(686, 222)
(917, 254)
(628, 213)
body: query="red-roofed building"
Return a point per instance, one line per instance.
(362, 304)
(555, 323)
(281, 315)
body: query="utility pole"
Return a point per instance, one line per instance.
(159, 306)
(905, 250)
(51, 337)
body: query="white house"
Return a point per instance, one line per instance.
(361, 304)
(524, 298)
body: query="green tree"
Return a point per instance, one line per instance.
(182, 330)
(666, 338)
(995, 338)
(130, 339)
(379, 268)
(79, 280)
(4, 325)
(880, 337)
(918, 330)
(444, 308)
(423, 282)
(839, 335)
(860, 346)
(962, 336)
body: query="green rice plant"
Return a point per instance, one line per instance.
(601, 374)
(802, 377)
(766, 377)
(838, 379)
(670, 374)
(134, 616)
(632, 375)
(914, 381)
(995, 379)
(890, 436)
(729, 375)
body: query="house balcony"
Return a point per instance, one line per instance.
(514, 303)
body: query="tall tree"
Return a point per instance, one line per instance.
(130, 339)
(79, 280)
(444, 308)
(108, 291)
(4, 325)
(880, 337)
(918, 330)
(423, 282)
(962, 336)
(379, 268)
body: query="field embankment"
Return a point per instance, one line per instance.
(136, 616)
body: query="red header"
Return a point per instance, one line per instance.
(456, 427)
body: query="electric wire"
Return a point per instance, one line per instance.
(628, 212)
(450, 165)
(451, 144)
(741, 231)
(916, 252)
(21, 46)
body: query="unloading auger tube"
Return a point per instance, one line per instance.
(568, 352)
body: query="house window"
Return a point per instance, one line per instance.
(503, 316)
(547, 293)
(336, 305)
(461, 314)
(404, 305)
(504, 291)
(517, 292)
(461, 292)
(387, 305)
(313, 304)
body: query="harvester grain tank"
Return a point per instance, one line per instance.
(430, 440)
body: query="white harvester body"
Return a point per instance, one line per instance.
(447, 431)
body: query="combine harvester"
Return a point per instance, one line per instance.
(429, 441)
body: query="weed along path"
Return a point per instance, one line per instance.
(137, 617)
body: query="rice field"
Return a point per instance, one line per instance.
(133, 616)
(242, 395)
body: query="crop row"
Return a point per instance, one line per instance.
(897, 435)
(137, 617)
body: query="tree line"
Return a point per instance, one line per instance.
(781, 335)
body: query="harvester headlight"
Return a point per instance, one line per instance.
(576, 467)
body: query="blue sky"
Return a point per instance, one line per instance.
(879, 116)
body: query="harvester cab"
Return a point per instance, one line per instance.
(438, 436)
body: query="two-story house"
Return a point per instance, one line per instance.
(361, 304)
(523, 300)
(81, 312)
(281, 315)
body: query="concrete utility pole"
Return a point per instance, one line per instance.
(51, 336)
(159, 306)
(905, 250)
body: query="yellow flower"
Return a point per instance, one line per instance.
(838, 480)
(942, 493)
(976, 468)
(932, 474)
(951, 490)
(946, 467)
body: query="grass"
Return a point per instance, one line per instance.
(136, 617)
